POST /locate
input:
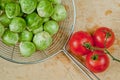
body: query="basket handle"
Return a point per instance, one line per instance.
(81, 67)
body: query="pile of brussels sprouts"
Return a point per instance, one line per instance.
(31, 23)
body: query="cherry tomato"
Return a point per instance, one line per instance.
(77, 43)
(97, 61)
(103, 37)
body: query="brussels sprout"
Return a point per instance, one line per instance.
(33, 21)
(12, 10)
(21, 14)
(45, 19)
(59, 13)
(1, 12)
(5, 20)
(40, 29)
(38, 0)
(10, 38)
(51, 27)
(3, 3)
(28, 6)
(45, 8)
(42, 40)
(2, 29)
(17, 24)
(26, 36)
(27, 49)
(56, 1)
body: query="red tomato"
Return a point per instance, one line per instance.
(103, 36)
(97, 61)
(77, 41)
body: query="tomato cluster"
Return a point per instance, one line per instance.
(92, 47)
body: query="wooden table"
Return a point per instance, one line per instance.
(90, 15)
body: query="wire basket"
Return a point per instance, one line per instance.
(12, 53)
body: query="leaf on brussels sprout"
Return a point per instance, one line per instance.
(12, 9)
(28, 6)
(10, 38)
(5, 20)
(39, 29)
(42, 40)
(38, 0)
(56, 1)
(27, 48)
(17, 24)
(1, 12)
(51, 27)
(3, 3)
(2, 29)
(45, 8)
(45, 19)
(59, 13)
(33, 21)
(26, 36)
(21, 14)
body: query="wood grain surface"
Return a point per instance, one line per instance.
(91, 14)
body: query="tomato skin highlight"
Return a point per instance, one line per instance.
(99, 37)
(77, 41)
(97, 61)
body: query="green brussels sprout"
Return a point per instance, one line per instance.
(40, 29)
(45, 8)
(56, 1)
(17, 24)
(59, 13)
(10, 38)
(33, 21)
(51, 27)
(27, 48)
(2, 29)
(3, 3)
(26, 36)
(12, 10)
(45, 19)
(5, 20)
(42, 40)
(38, 0)
(28, 6)
(1, 12)
(21, 14)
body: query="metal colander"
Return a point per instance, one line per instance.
(12, 53)
(66, 27)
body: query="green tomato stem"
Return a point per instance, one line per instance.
(94, 57)
(108, 34)
(107, 52)
(88, 46)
